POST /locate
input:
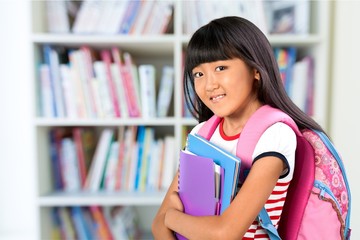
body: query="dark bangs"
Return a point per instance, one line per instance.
(207, 45)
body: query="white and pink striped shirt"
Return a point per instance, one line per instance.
(278, 140)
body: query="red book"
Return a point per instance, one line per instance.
(128, 81)
(106, 58)
(80, 154)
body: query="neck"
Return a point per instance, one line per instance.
(233, 125)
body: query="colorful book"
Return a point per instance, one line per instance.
(231, 164)
(199, 185)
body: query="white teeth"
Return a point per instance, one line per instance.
(217, 97)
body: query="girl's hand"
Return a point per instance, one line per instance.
(175, 201)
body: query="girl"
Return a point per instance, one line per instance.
(231, 67)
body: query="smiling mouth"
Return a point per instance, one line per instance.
(217, 98)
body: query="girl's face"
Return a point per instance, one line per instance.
(226, 87)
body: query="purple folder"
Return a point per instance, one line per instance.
(197, 185)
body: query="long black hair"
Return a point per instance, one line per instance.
(235, 37)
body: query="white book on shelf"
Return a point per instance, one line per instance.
(80, 101)
(106, 8)
(110, 171)
(147, 75)
(88, 16)
(143, 17)
(80, 19)
(117, 16)
(94, 83)
(46, 94)
(166, 90)
(154, 165)
(57, 17)
(80, 61)
(69, 93)
(69, 166)
(299, 84)
(87, 74)
(100, 74)
(99, 161)
(159, 18)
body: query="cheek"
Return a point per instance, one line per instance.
(199, 88)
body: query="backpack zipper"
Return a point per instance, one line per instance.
(325, 189)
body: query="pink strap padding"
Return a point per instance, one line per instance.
(208, 129)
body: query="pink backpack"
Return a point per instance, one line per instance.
(318, 203)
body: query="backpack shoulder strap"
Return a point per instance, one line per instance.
(208, 129)
(263, 118)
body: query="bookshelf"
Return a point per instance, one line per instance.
(158, 49)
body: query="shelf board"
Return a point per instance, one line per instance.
(136, 44)
(101, 198)
(53, 122)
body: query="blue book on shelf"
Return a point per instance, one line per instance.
(229, 162)
(82, 229)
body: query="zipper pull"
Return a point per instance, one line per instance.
(322, 193)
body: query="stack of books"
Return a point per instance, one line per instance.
(208, 177)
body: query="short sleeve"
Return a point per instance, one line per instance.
(278, 140)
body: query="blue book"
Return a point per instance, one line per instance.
(229, 162)
(82, 229)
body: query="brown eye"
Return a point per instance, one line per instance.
(198, 74)
(220, 68)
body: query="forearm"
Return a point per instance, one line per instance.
(191, 227)
(159, 230)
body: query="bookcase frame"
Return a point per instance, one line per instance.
(167, 49)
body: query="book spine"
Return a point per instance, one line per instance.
(106, 57)
(77, 132)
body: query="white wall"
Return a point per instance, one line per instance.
(345, 116)
(17, 180)
(17, 194)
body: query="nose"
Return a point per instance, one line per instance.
(211, 83)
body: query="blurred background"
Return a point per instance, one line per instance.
(19, 200)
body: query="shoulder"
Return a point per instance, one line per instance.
(279, 130)
(280, 139)
(197, 128)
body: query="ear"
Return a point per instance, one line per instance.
(256, 74)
